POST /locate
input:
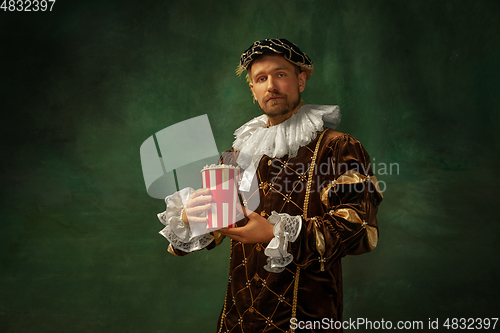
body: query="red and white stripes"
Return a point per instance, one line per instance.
(223, 184)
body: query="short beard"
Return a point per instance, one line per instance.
(282, 109)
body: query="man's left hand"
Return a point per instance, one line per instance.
(257, 230)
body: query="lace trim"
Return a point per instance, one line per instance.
(197, 243)
(286, 229)
(176, 231)
(254, 139)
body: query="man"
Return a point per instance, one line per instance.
(318, 201)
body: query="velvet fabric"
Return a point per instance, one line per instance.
(261, 301)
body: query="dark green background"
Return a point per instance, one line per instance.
(84, 85)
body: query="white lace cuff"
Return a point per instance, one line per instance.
(286, 229)
(176, 231)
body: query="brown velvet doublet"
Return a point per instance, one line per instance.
(341, 195)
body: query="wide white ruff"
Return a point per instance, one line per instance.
(255, 139)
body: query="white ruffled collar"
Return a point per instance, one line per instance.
(255, 139)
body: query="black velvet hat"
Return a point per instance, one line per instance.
(289, 50)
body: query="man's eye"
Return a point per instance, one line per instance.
(281, 75)
(261, 79)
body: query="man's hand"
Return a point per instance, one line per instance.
(197, 203)
(257, 230)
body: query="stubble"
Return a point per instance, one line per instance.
(278, 108)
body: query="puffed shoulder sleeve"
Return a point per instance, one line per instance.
(341, 206)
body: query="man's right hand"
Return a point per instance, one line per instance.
(197, 203)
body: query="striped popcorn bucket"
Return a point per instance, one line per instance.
(222, 180)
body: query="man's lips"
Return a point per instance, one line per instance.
(273, 98)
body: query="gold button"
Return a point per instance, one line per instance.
(265, 186)
(263, 213)
(259, 248)
(251, 310)
(269, 163)
(256, 277)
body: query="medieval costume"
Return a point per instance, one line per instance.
(315, 185)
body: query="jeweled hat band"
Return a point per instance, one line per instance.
(289, 50)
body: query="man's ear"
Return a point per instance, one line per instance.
(302, 81)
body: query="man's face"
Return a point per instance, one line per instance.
(276, 87)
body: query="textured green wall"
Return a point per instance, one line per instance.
(83, 86)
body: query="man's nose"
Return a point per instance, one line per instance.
(271, 84)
